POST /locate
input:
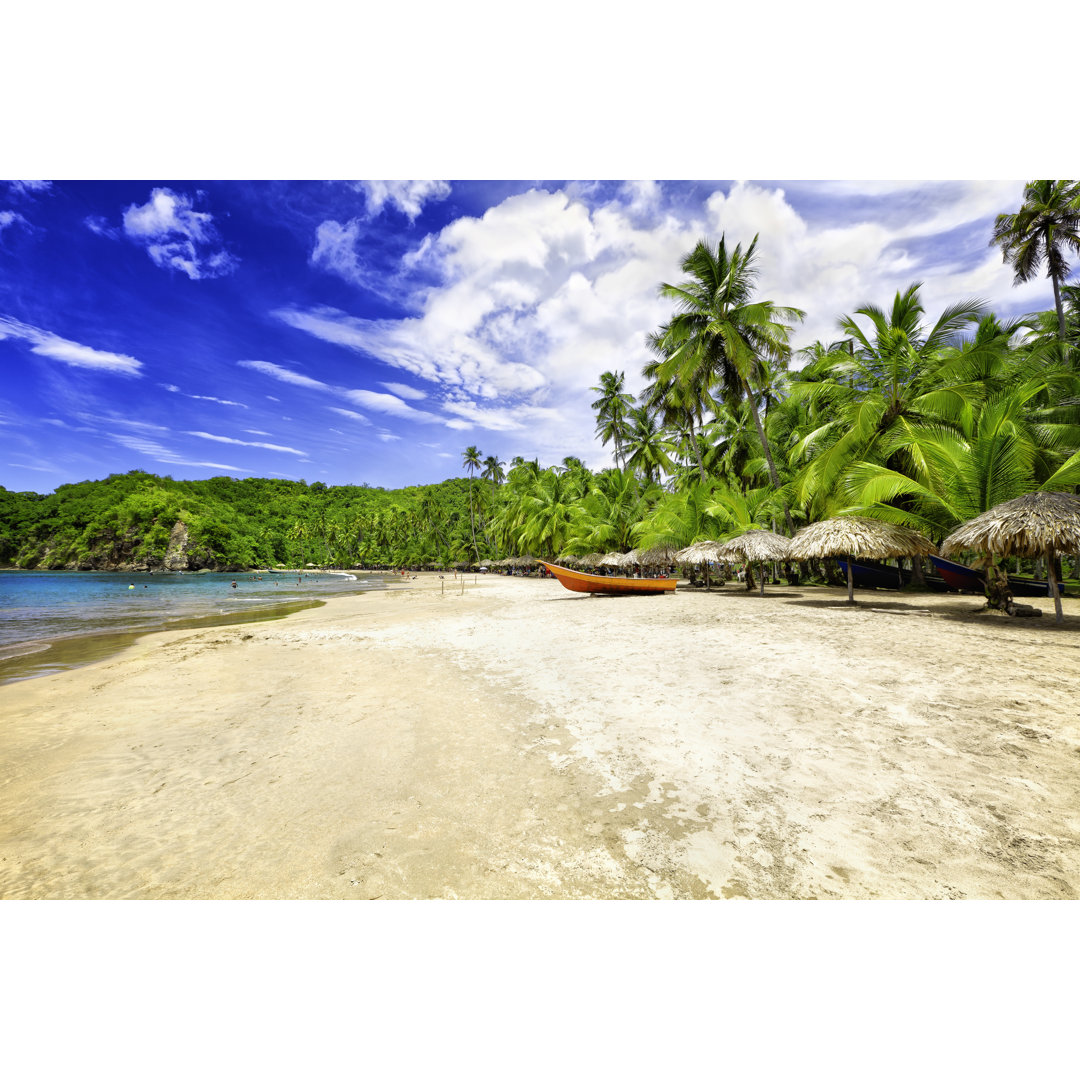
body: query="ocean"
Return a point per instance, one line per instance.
(57, 619)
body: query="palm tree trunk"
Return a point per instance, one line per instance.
(773, 475)
(697, 449)
(1060, 309)
(472, 521)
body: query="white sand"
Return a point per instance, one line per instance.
(523, 741)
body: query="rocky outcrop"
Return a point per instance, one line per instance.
(176, 555)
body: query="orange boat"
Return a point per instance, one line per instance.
(576, 581)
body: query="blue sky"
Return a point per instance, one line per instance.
(355, 332)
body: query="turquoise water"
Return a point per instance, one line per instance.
(55, 619)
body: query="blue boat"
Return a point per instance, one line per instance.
(886, 577)
(965, 579)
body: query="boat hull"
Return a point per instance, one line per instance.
(964, 579)
(576, 581)
(877, 577)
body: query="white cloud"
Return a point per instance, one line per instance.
(386, 436)
(9, 218)
(242, 442)
(275, 371)
(157, 452)
(44, 343)
(406, 196)
(202, 397)
(410, 392)
(25, 187)
(97, 224)
(176, 236)
(358, 417)
(537, 297)
(387, 403)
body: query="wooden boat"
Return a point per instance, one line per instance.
(576, 581)
(888, 577)
(965, 579)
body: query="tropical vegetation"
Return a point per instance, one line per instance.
(918, 417)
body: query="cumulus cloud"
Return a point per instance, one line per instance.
(44, 343)
(176, 236)
(406, 196)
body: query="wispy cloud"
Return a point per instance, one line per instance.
(403, 391)
(8, 218)
(29, 187)
(176, 236)
(388, 403)
(406, 196)
(156, 452)
(371, 399)
(358, 417)
(242, 442)
(201, 397)
(44, 343)
(276, 371)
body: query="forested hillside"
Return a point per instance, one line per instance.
(141, 521)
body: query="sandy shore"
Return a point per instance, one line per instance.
(518, 740)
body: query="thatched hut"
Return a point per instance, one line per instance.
(756, 546)
(852, 536)
(1036, 525)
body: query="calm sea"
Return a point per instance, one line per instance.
(52, 620)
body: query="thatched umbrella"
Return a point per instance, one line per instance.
(612, 558)
(701, 552)
(756, 546)
(661, 555)
(1036, 525)
(852, 536)
(591, 560)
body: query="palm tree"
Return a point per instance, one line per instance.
(1045, 226)
(470, 461)
(680, 405)
(611, 409)
(897, 377)
(719, 337)
(648, 445)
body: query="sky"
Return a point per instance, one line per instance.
(357, 332)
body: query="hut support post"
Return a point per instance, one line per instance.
(1051, 579)
(761, 570)
(850, 583)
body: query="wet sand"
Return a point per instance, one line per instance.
(520, 741)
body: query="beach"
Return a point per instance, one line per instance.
(494, 737)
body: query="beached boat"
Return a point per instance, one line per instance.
(576, 581)
(888, 577)
(965, 579)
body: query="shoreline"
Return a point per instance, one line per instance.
(516, 740)
(39, 657)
